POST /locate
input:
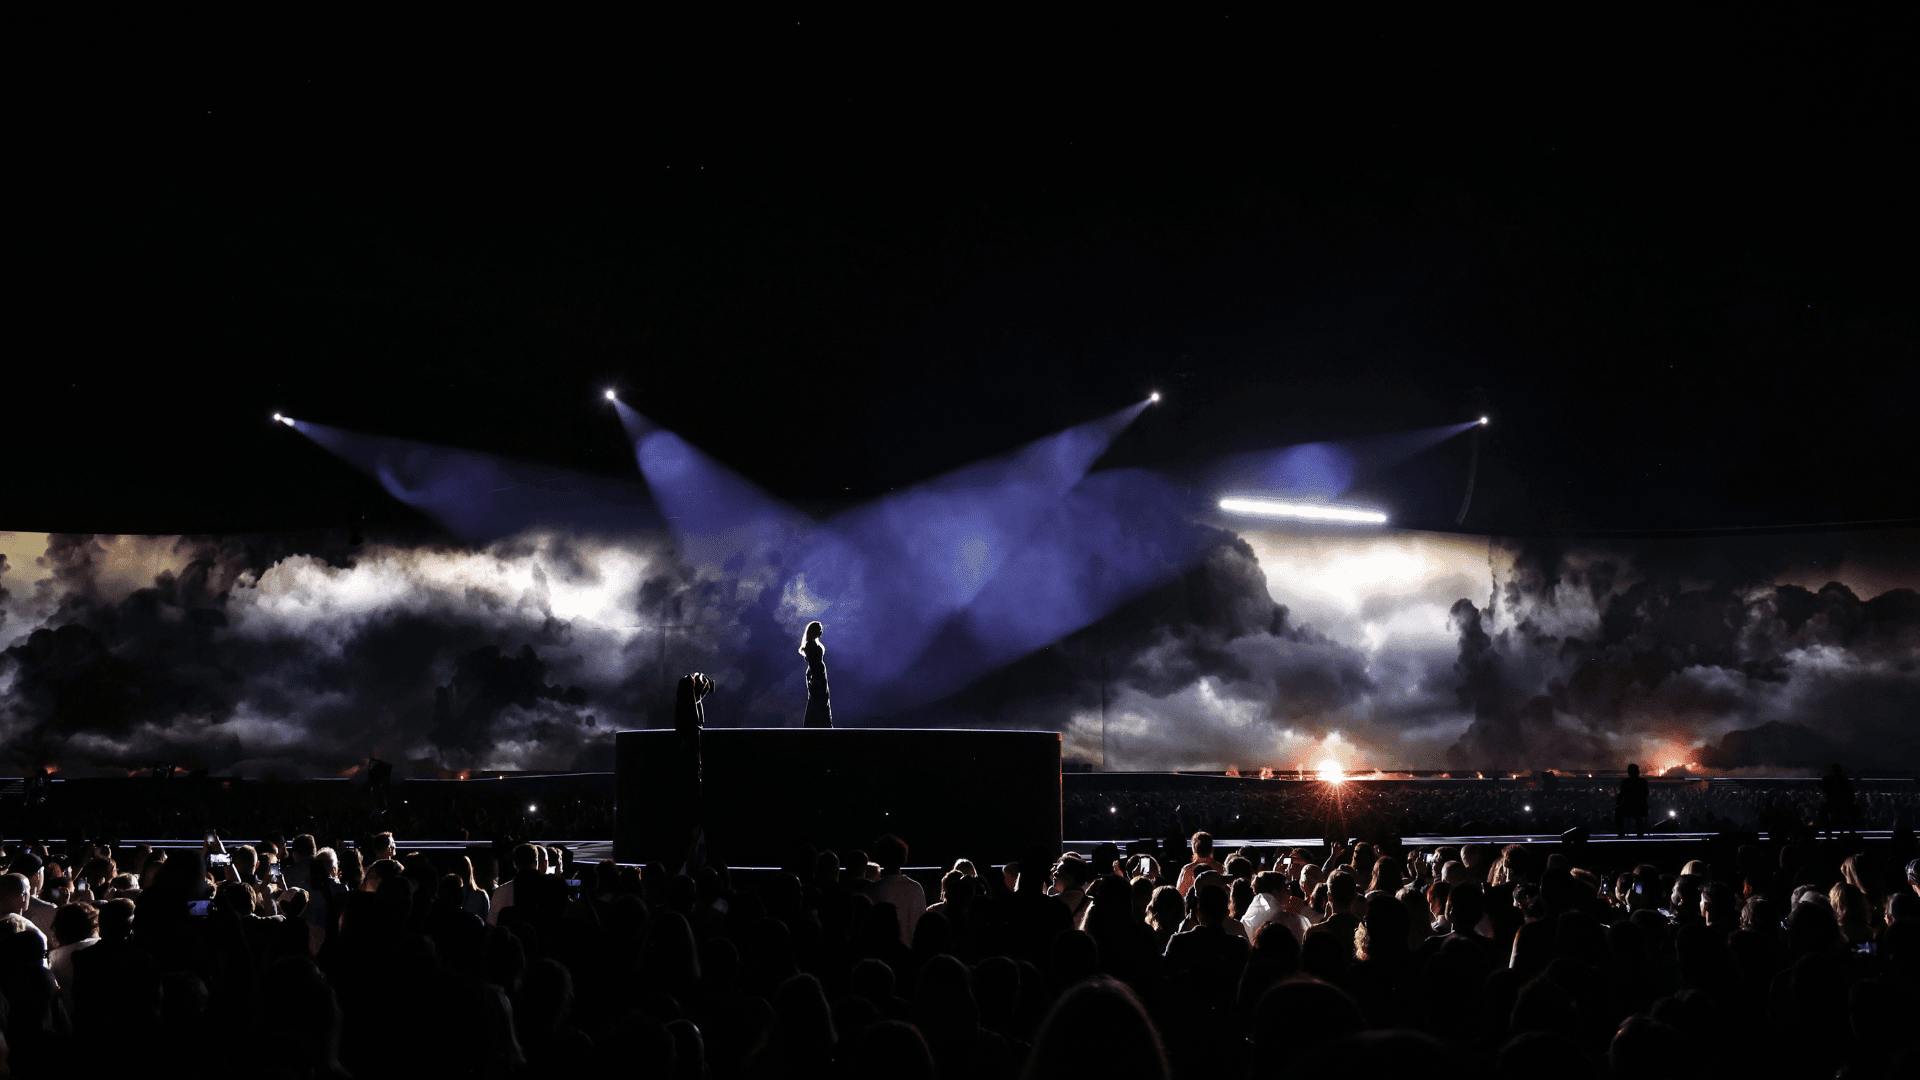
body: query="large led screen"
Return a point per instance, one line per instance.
(1228, 644)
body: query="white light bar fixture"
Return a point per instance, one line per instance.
(1275, 508)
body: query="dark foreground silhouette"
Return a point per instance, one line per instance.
(370, 960)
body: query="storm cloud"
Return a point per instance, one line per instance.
(302, 655)
(1394, 653)
(1711, 654)
(255, 656)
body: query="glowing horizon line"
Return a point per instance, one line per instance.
(1302, 511)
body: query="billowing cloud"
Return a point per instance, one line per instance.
(302, 655)
(1699, 653)
(1407, 650)
(233, 652)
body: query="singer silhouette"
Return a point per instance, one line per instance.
(819, 702)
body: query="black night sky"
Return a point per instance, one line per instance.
(1672, 259)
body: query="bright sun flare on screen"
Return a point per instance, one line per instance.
(1330, 771)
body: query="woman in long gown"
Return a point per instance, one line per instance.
(819, 705)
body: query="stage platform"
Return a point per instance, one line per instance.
(764, 793)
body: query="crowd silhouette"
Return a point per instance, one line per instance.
(305, 959)
(1255, 808)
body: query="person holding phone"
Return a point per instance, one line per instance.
(58, 890)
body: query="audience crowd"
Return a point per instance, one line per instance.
(1096, 807)
(293, 957)
(1249, 807)
(477, 810)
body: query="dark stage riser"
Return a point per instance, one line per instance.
(981, 795)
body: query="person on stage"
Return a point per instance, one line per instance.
(819, 705)
(1841, 814)
(689, 720)
(1631, 803)
(690, 716)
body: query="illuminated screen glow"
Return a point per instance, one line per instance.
(1028, 591)
(1297, 511)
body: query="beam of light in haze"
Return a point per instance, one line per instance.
(1325, 470)
(481, 497)
(925, 553)
(1473, 471)
(1117, 534)
(1317, 470)
(1294, 511)
(923, 591)
(748, 542)
(883, 576)
(718, 518)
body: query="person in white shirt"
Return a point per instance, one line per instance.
(1203, 861)
(1275, 901)
(905, 894)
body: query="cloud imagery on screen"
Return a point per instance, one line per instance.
(301, 655)
(1409, 650)
(1728, 653)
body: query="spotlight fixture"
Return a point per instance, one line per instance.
(1275, 508)
(1483, 421)
(282, 418)
(1154, 397)
(613, 397)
